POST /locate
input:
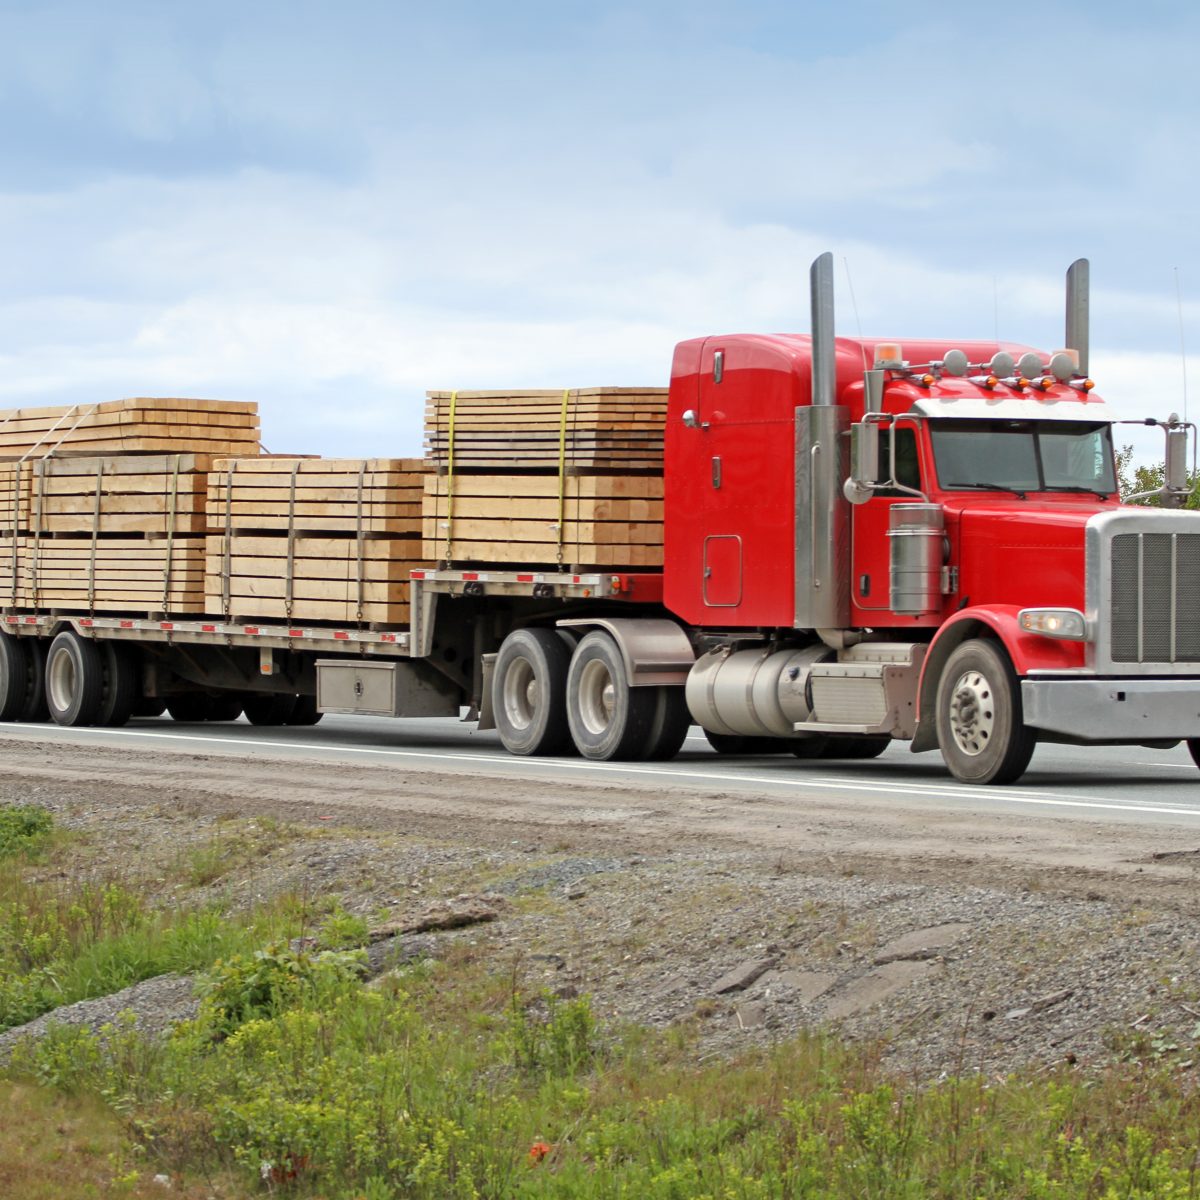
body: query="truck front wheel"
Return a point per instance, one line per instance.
(529, 692)
(74, 679)
(980, 727)
(608, 718)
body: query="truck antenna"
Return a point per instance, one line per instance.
(1182, 347)
(854, 305)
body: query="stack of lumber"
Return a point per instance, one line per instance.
(595, 430)
(135, 426)
(105, 575)
(607, 520)
(546, 478)
(313, 539)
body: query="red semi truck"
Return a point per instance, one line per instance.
(863, 542)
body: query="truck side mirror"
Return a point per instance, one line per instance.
(864, 461)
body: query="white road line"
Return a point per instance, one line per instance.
(941, 791)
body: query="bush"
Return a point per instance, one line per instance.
(24, 829)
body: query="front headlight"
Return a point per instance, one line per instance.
(1067, 623)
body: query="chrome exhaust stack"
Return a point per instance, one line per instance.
(1078, 311)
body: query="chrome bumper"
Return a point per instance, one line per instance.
(1099, 710)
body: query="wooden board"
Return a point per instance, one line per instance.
(137, 425)
(591, 429)
(374, 496)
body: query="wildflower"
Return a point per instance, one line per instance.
(537, 1152)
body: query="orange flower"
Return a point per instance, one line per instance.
(537, 1152)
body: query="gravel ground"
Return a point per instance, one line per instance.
(996, 945)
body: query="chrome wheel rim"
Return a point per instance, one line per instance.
(972, 713)
(61, 680)
(522, 694)
(596, 697)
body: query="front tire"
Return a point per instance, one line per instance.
(608, 719)
(74, 680)
(980, 725)
(529, 692)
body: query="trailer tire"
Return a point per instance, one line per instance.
(225, 706)
(36, 709)
(74, 679)
(268, 708)
(669, 726)
(608, 718)
(305, 712)
(189, 707)
(149, 706)
(17, 678)
(529, 692)
(120, 685)
(1193, 745)
(980, 725)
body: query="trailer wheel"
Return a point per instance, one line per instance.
(980, 726)
(268, 708)
(120, 685)
(669, 726)
(20, 677)
(74, 679)
(305, 712)
(529, 692)
(189, 707)
(149, 706)
(608, 718)
(226, 706)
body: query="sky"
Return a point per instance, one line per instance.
(329, 208)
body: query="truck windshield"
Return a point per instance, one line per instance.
(1024, 456)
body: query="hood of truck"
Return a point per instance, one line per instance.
(1024, 552)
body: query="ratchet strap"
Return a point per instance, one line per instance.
(290, 582)
(227, 563)
(450, 482)
(95, 531)
(360, 540)
(172, 505)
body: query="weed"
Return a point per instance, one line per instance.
(24, 829)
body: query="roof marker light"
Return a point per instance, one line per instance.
(984, 381)
(1081, 385)
(889, 356)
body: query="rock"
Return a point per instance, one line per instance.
(752, 1014)
(452, 914)
(1051, 1000)
(921, 944)
(741, 977)
(874, 986)
(1016, 1014)
(807, 985)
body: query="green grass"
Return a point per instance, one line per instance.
(67, 939)
(455, 1080)
(449, 1081)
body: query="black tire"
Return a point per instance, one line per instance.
(1193, 745)
(74, 679)
(225, 706)
(813, 745)
(268, 708)
(149, 706)
(189, 707)
(980, 726)
(669, 725)
(36, 709)
(121, 685)
(729, 743)
(529, 692)
(305, 712)
(608, 718)
(17, 681)
(854, 746)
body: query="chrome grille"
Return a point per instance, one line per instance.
(1154, 595)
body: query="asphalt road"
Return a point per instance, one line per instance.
(1114, 783)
